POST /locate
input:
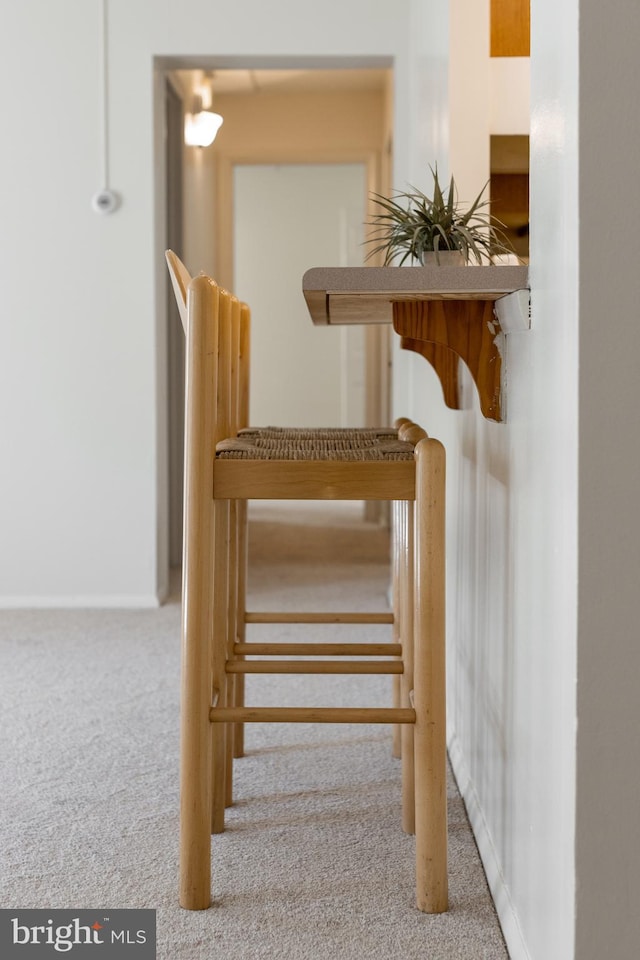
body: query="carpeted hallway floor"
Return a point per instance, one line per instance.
(313, 865)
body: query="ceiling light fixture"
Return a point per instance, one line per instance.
(200, 125)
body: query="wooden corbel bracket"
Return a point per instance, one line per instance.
(444, 361)
(444, 330)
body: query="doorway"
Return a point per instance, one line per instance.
(327, 118)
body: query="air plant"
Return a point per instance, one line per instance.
(411, 224)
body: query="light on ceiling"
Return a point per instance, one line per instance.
(201, 126)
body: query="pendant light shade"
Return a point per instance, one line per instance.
(201, 126)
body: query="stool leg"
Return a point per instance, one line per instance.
(429, 680)
(195, 726)
(220, 620)
(232, 629)
(406, 619)
(241, 602)
(396, 560)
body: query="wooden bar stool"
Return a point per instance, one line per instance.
(331, 438)
(225, 467)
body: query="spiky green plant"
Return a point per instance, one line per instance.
(410, 224)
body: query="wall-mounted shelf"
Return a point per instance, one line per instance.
(442, 313)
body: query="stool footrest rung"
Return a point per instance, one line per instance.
(318, 649)
(268, 616)
(312, 715)
(315, 666)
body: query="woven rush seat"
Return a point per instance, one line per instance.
(343, 434)
(288, 447)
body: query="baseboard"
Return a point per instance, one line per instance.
(83, 602)
(505, 909)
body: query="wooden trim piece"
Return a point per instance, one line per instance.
(510, 28)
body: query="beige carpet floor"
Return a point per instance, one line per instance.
(313, 866)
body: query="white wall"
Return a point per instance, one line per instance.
(608, 754)
(83, 507)
(77, 368)
(512, 495)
